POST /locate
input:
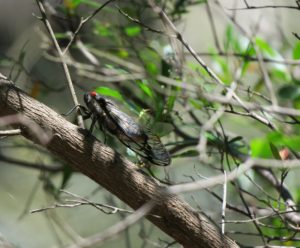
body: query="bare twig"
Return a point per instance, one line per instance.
(83, 21)
(217, 180)
(10, 132)
(98, 239)
(50, 168)
(41, 135)
(85, 153)
(224, 202)
(63, 61)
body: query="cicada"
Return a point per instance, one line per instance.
(137, 138)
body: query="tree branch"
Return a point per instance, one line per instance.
(109, 169)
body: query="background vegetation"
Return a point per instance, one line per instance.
(228, 112)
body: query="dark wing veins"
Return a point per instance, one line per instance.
(140, 140)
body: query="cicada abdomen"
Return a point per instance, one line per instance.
(126, 129)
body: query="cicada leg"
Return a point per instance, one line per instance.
(94, 120)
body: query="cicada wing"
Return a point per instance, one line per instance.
(156, 155)
(126, 125)
(159, 154)
(140, 140)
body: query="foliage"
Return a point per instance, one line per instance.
(137, 61)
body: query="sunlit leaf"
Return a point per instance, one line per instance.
(109, 92)
(281, 74)
(196, 103)
(296, 51)
(61, 35)
(260, 148)
(152, 68)
(151, 60)
(144, 87)
(265, 47)
(292, 142)
(71, 4)
(133, 30)
(123, 53)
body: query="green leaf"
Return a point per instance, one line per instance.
(267, 146)
(144, 87)
(67, 173)
(170, 103)
(93, 4)
(292, 142)
(265, 47)
(289, 92)
(152, 68)
(228, 37)
(72, 4)
(122, 53)
(281, 74)
(109, 92)
(189, 153)
(151, 59)
(61, 35)
(275, 151)
(197, 104)
(296, 51)
(260, 148)
(132, 31)
(103, 30)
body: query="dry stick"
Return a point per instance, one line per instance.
(118, 175)
(42, 167)
(246, 3)
(80, 201)
(213, 26)
(224, 202)
(63, 61)
(267, 7)
(10, 132)
(248, 57)
(27, 125)
(234, 174)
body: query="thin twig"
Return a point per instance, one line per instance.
(83, 22)
(10, 132)
(224, 202)
(63, 61)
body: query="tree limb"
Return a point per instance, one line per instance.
(109, 169)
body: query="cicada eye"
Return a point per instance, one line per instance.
(93, 94)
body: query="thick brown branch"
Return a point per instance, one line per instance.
(86, 154)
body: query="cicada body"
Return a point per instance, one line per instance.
(126, 129)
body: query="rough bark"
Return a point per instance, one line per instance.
(109, 169)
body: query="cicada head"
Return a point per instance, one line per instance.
(94, 102)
